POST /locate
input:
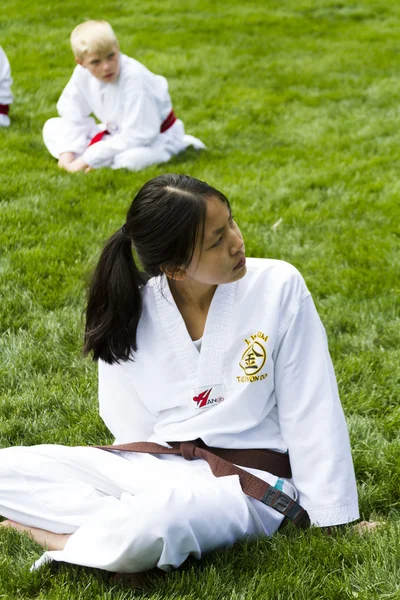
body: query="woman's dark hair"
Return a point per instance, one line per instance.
(163, 224)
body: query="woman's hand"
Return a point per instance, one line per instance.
(360, 528)
(367, 526)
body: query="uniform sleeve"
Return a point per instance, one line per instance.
(312, 421)
(121, 408)
(73, 107)
(140, 126)
(6, 96)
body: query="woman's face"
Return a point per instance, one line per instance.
(220, 257)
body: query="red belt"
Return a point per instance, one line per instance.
(165, 125)
(98, 137)
(168, 122)
(5, 107)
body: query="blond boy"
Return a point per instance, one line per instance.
(137, 128)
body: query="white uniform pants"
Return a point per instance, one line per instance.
(128, 512)
(167, 144)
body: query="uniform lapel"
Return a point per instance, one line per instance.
(97, 89)
(216, 336)
(111, 108)
(207, 367)
(170, 319)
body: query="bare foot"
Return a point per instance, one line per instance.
(65, 159)
(46, 539)
(367, 526)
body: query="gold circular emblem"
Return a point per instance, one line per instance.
(253, 359)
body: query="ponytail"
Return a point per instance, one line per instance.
(164, 223)
(114, 302)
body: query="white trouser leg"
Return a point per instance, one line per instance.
(177, 140)
(136, 159)
(60, 135)
(127, 515)
(168, 144)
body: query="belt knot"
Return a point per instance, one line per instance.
(188, 449)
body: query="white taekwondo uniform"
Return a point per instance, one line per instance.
(6, 96)
(132, 110)
(262, 379)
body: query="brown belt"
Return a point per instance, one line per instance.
(270, 461)
(221, 463)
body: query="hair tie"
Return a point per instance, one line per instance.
(123, 229)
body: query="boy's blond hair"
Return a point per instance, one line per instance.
(92, 36)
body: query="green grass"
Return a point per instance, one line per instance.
(298, 103)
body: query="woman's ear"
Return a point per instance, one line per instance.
(175, 274)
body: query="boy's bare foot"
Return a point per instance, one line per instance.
(46, 539)
(65, 159)
(76, 165)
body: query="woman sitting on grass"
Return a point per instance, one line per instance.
(200, 344)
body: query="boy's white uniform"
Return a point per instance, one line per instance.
(6, 96)
(132, 109)
(263, 379)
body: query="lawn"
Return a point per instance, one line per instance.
(298, 103)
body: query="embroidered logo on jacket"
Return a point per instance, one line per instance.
(206, 399)
(254, 358)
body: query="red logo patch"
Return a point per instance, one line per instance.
(202, 398)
